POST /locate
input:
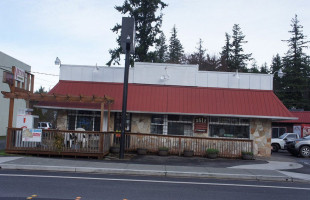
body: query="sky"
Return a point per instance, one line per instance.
(79, 31)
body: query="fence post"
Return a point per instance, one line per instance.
(101, 143)
(8, 139)
(179, 146)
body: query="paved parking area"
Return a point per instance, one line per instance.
(286, 156)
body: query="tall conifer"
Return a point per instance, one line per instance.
(148, 22)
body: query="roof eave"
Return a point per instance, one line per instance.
(175, 113)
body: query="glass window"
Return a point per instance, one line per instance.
(157, 124)
(175, 128)
(180, 125)
(244, 121)
(225, 120)
(214, 119)
(71, 122)
(97, 124)
(89, 120)
(235, 120)
(229, 127)
(278, 131)
(118, 122)
(173, 117)
(84, 122)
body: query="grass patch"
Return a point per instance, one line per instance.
(2, 153)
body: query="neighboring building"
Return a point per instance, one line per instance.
(300, 125)
(6, 63)
(173, 99)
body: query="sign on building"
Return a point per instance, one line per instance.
(8, 77)
(19, 74)
(201, 125)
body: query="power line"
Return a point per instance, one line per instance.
(45, 73)
(3, 67)
(45, 80)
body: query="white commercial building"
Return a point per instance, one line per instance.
(6, 63)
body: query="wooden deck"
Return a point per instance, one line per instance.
(97, 144)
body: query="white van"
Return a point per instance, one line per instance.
(45, 125)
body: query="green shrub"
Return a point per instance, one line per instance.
(212, 151)
(58, 141)
(163, 148)
(247, 153)
(116, 145)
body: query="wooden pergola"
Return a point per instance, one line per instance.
(24, 90)
(29, 96)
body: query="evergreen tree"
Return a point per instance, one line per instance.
(212, 63)
(276, 65)
(264, 68)
(161, 55)
(254, 67)
(198, 57)
(41, 90)
(176, 52)
(238, 58)
(226, 54)
(297, 69)
(200, 54)
(147, 23)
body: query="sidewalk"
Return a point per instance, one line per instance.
(253, 170)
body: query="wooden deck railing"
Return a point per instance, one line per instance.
(87, 143)
(59, 142)
(228, 148)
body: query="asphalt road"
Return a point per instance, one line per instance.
(63, 186)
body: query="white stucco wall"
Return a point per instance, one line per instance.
(6, 63)
(168, 74)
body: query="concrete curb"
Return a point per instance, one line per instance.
(152, 173)
(230, 176)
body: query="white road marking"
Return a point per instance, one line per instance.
(156, 181)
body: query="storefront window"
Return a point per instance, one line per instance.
(88, 120)
(118, 122)
(278, 131)
(229, 127)
(180, 125)
(157, 124)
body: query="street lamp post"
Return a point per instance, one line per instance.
(128, 47)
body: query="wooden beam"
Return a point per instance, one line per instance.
(109, 113)
(101, 117)
(28, 82)
(32, 83)
(21, 94)
(11, 106)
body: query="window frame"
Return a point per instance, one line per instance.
(231, 123)
(118, 120)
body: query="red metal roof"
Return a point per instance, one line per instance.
(177, 99)
(303, 117)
